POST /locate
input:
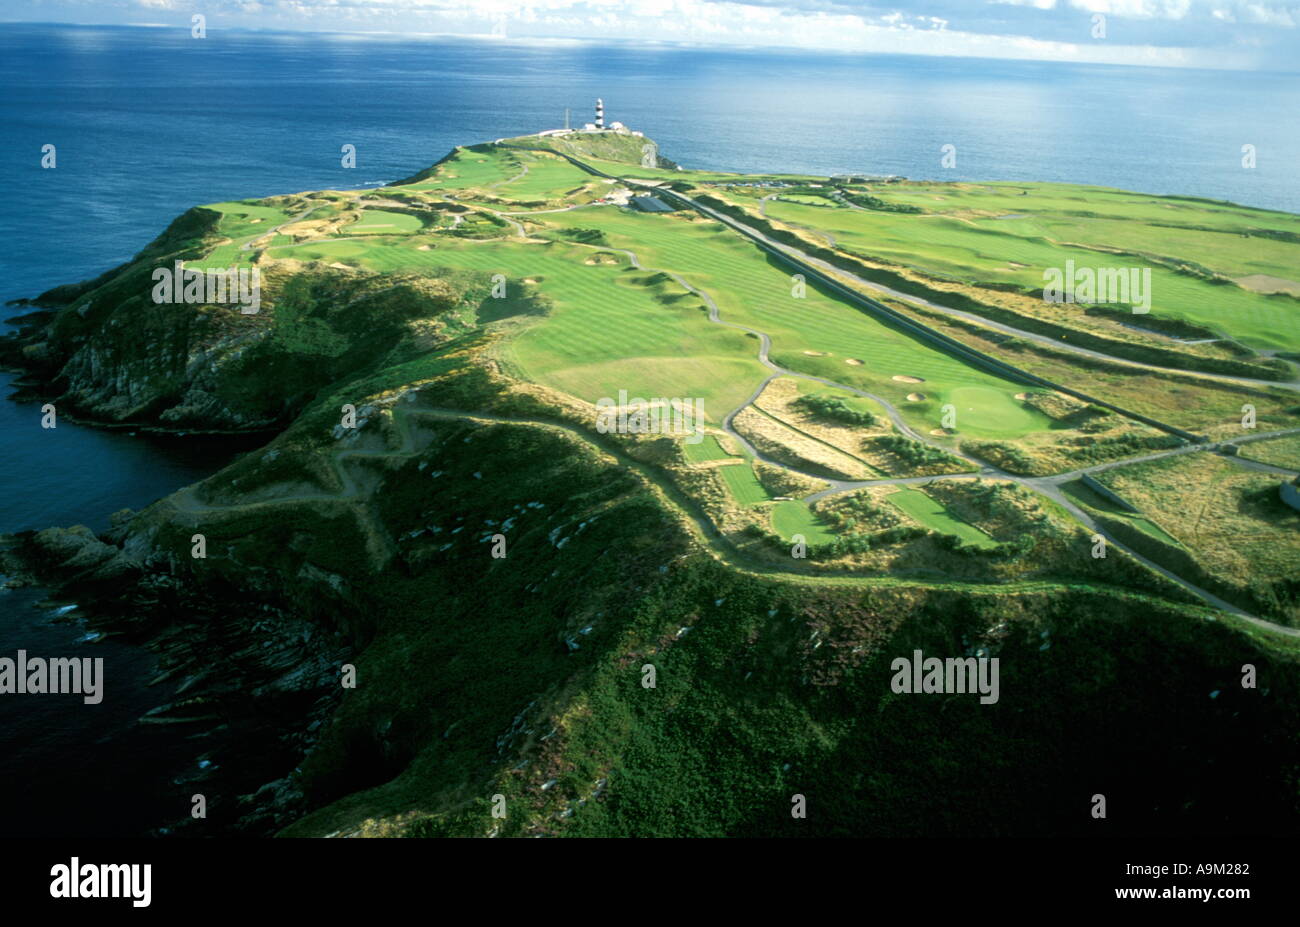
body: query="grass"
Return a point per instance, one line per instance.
(751, 290)
(705, 450)
(1081, 493)
(548, 178)
(381, 222)
(1228, 518)
(242, 222)
(1280, 452)
(468, 168)
(793, 517)
(933, 515)
(743, 484)
(962, 237)
(608, 327)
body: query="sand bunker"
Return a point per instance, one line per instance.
(1022, 396)
(424, 248)
(853, 360)
(938, 432)
(915, 397)
(906, 379)
(816, 353)
(1266, 283)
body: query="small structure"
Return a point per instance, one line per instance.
(599, 125)
(648, 203)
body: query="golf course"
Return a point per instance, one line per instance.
(624, 482)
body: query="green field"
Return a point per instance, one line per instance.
(933, 515)
(707, 449)
(793, 517)
(609, 327)
(468, 168)
(382, 222)
(743, 484)
(547, 178)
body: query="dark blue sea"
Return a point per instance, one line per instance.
(148, 122)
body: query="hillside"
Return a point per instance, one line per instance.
(603, 146)
(443, 509)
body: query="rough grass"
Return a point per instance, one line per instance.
(1229, 518)
(962, 237)
(1280, 452)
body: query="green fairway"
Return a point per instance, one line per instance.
(933, 515)
(546, 177)
(794, 517)
(815, 334)
(382, 222)
(743, 484)
(609, 328)
(707, 449)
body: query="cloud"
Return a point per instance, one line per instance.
(1200, 33)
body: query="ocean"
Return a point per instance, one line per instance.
(147, 122)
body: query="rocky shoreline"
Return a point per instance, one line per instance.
(253, 682)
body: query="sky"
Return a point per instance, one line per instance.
(1261, 35)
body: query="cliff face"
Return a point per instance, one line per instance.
(115, 355)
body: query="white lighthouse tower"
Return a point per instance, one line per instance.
(600, 114)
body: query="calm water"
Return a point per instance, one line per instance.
(68, 767)
(148, 122)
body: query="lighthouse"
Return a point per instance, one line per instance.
(600, 114)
